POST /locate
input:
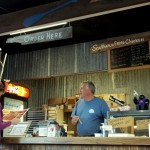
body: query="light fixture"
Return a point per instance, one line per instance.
(37, 28)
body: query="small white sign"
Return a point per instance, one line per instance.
(51, 131)
(19, 129)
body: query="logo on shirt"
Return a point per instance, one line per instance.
(91, 111)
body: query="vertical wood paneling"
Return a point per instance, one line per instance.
(43, 89)
(106, 83)
(57, 61)
(72, 147)
(62, 60)
(26, 65)
(88, 61)
(60, 70)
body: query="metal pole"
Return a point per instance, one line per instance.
(3, 64)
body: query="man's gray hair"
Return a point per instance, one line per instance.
(90, 85)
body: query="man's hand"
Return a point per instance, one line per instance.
(75, 120)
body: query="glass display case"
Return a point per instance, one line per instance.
(141, 120)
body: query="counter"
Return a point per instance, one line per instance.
(75, 143)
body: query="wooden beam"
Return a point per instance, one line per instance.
(73, 12)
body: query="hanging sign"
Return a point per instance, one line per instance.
(17, 90)
(118, 42)
(45, 36)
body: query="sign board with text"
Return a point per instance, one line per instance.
(121, 122)
(14, 89)
(142, 124)
(130, 56)
(45, 36)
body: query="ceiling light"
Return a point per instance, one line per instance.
(36, 28)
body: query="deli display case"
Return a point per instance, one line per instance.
(141, 120)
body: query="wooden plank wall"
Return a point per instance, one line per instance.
(80, 10)
(106, 83)
(57, 61)
(57, 73)
(71, 147)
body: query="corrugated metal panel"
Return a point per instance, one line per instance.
(43, 89)
(55, 61)
(62, 60)
(62, 66)
(88, 61)
(26, 65)
(106, 83)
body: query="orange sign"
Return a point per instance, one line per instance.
(13, 89)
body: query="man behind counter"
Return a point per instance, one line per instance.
(89, 111)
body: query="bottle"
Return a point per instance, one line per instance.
(51, 130)
(58, 131)
(102, 129)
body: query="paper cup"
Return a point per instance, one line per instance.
(97, 134)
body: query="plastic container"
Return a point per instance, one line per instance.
(104, 132)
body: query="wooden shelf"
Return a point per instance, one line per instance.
(68, 110)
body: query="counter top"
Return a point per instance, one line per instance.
(77, 140)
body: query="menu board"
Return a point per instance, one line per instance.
(11, 114)
(13, 104)
(130, 56)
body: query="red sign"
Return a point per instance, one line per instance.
(18, 90)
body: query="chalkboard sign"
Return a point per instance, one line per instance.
(130, 56)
